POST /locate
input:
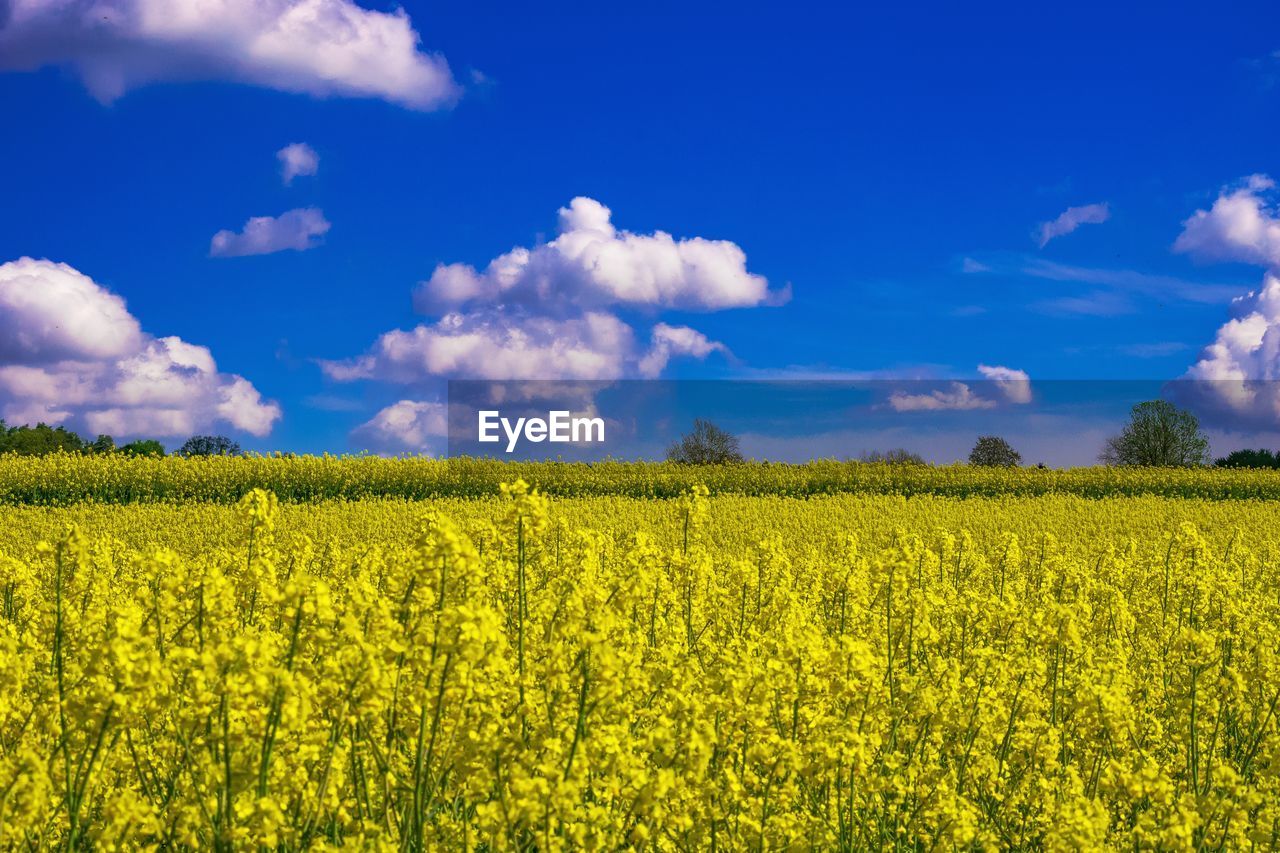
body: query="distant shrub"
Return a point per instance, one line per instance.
(896, 456)
(148, 447)
(209, 445)
(39, 440)
(707, 444)
(992, 451)
(1249, 459)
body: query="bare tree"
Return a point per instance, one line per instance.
(707, 444)
(896, 456)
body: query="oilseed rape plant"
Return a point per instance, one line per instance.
(64, 478)
(706, 671)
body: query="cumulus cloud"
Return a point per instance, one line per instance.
(498, 345)
(1001, 385)
(593, 264)
(53, 313)
(406, 425)
(298, 229)
(957, 396)
(1242, 225)
(323, 48)
(1071, 219)
(1015, 385)
(561, 311)
(73, 353)
(548, 312)
(297, 160)
(667, 341)
(1235, 382)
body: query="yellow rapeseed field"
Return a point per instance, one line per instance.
(65, 478)
(741, 671)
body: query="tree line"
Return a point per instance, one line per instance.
(1158, 434)
(42, 439)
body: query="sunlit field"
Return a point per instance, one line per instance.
(1021, 666)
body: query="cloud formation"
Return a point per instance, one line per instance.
(297, 160)
(323, 48)
(955, 397)
(52, 313)
(1015, 385)
(555, 311)
(592, 264)
(298, 229)
(1001, 385)
(1235, 382)
(406, 425)
(1071, 219)
(666, 341)
(72, 353)
(543, 313)
(1242, 225)
(497, 345)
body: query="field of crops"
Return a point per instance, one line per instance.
(1007, 666)
(62, 479)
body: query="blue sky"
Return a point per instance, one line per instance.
(890, 169)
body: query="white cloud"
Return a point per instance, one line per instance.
(1071, 219)
(1242, 225)
(498, 345)
(542, 313)
(667, 341)
(1000, 385)
(323, 48)
(554, 311)
(406, 425)
(956, 397)
(298, 229)
(74, 354)
(51, 312)
(297, 160)
(1234, 382)
(972, 266)
(1015, 385)
(592, 264)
